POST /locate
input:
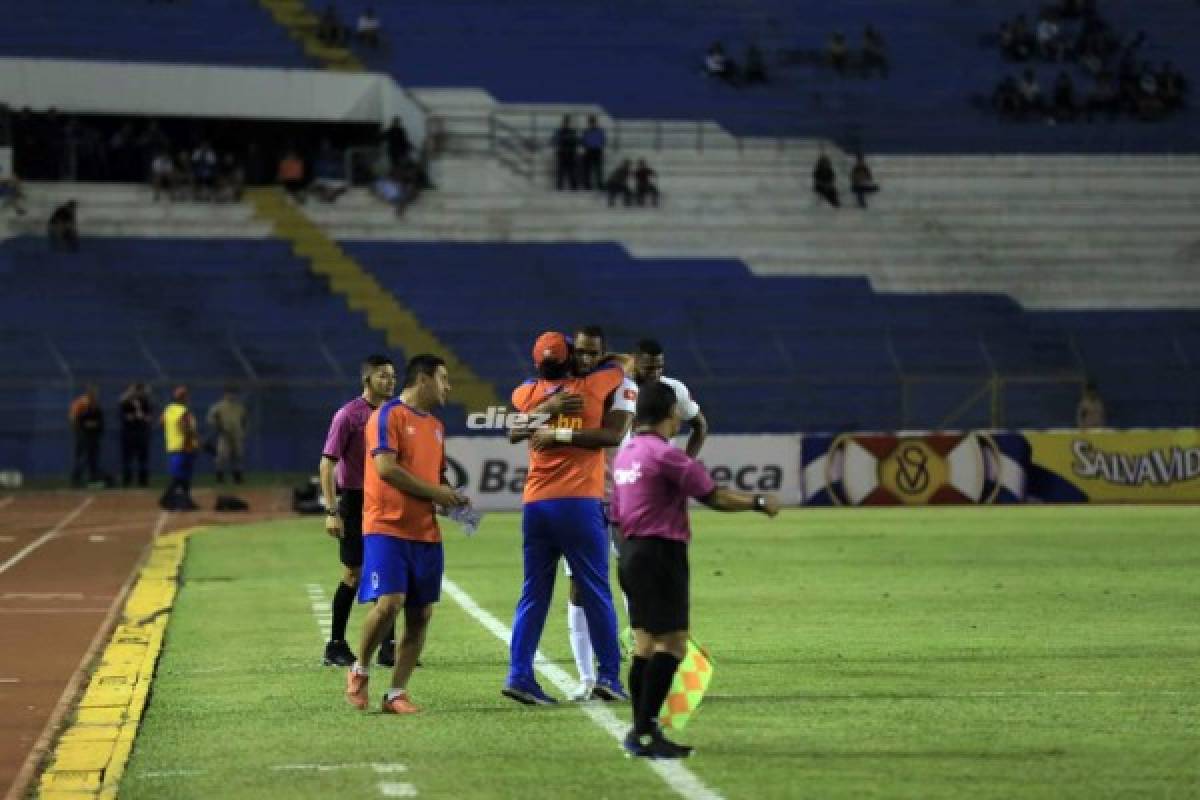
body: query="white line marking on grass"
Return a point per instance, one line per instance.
(47, 536)
(321, 610)
(10, 680)
(397, 789)
(8, 538)
(679, 778)
(97, 538)
(170, 773)
(42, 596)
(380, 768)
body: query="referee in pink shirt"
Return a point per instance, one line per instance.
(343, 460)
(652, 481)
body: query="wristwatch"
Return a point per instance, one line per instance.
(760, 502)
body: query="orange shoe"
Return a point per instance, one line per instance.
(356, 689)
(400, 704)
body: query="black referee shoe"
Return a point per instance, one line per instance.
(338, 654)
(654, 745)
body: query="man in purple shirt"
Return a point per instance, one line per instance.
(652, 482)
(343, 460)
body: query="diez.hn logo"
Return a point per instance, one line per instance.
(499, 418)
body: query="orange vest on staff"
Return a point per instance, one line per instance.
(566, 471)
(416, 437)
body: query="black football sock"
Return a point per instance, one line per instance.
(637, 682)
(657, 684)
(343, 601)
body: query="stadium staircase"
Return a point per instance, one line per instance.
(362, 292)
(301, 25)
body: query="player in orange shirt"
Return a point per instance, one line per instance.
(402, 560)
(562, 514)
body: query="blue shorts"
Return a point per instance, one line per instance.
(179, 465)
(401, 566)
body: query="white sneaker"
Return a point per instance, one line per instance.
(584, 692)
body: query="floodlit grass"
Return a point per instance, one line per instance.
(942, 653)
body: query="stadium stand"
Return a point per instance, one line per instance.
(644, 62)
(978, 289)
(200, 32)
(196, 311)
(800, 353)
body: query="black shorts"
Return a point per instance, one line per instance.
(654, 576)
(350, 546)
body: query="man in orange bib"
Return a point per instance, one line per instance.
(563, 514)
(402, 560)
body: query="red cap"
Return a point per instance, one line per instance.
(550, 346)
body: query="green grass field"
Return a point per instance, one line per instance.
(942, 653)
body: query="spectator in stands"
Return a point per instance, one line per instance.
(1016, 40)
(150, 142)
(291, 175)
(825, 181)
(1150, 104)
(1030, 92)
(330, 30)
(162, 175)
(1050, 43)
(1064, 98)
(137, 413)
(62, 228)
(566, 143)
(838, 53)
(329, 174)
(1104, 97)
(719, 65)
(204, 172)
(618, 184)
(645, 182)
(231, 180)
(184, 179)
(388, 188)
(1174, 86)
(1073, 9)
(12, 193)
(594, 141)
(122, 155)
(862, 182)
(399, 185)
(368, 28)
(1006, 99)
(227, 421)
(395, 138)
(1090, 412)
(874, 53)
(87, 424)
(756, 68)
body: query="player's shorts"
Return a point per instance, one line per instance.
(179, 465)
(350, 546)
(401, 566)
(654, 576)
